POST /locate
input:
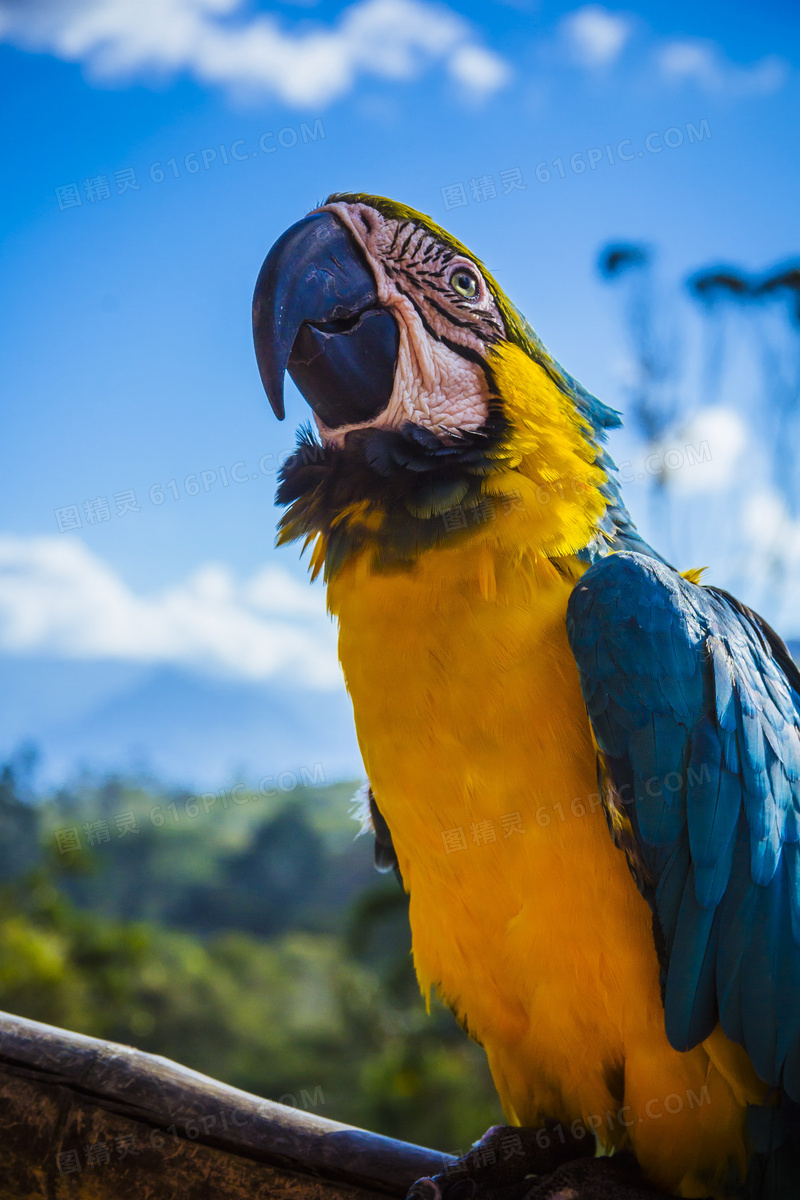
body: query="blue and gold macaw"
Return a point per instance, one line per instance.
(585, 764)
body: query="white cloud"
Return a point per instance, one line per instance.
(773, 533)
(478, 71)
(58, 598)
(703, 62)
(771, 537)
(214, 41)
(596, 36)
(717, 437)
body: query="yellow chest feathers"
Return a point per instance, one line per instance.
(474, 737)
(458, 668)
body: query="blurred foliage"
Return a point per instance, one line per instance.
(243, 935)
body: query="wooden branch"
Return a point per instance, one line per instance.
(87, 1118)
(83, 1118)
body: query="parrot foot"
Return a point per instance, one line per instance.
(499, 1165)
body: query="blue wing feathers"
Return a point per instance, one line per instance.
(690, 1002)
(723, 686)
(761, 967)
(695, 701)
(713, 797)
(713, 804)
(739, 898)
(711, 882)
(793, 860)
(670, 886)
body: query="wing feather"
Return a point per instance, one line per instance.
(695, 706)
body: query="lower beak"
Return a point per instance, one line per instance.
(316, 312)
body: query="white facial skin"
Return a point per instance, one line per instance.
(434, 386)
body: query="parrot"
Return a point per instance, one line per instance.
(583, 763)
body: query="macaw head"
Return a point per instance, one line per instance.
(434, 401)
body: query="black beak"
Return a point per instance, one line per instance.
(316, 311)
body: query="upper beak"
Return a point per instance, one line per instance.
(316, 312)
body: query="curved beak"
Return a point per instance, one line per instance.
(316, 313)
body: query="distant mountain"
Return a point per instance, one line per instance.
(184, 727)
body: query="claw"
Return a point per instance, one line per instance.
(424, 1189)
(508, 1163)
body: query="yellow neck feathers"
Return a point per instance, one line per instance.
(549, 460)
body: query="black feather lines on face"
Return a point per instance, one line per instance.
(421, 265)
(409, 476)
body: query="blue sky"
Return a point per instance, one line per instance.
(125, 349)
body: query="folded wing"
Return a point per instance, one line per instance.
(695, 706)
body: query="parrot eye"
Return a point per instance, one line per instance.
(465, 283)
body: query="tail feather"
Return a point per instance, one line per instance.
(774, 1172)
